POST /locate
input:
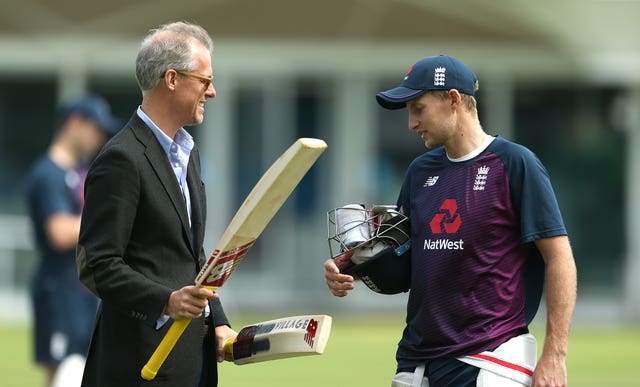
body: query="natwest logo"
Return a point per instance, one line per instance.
(447, 220)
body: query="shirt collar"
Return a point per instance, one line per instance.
(182, 138)
(485, 144)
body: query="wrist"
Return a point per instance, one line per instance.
(558, 352)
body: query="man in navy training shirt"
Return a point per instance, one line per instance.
(63, 309)
(486, 230)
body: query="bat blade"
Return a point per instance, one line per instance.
(262, 203)
(260, 206)
(279, 339)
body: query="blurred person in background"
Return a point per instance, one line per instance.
(142, 231)
(486, 235)
(63, 310)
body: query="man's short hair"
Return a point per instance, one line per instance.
(168, 47)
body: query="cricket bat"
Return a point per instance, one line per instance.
(279, 339)
(262, 203)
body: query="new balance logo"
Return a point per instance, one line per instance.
(408, 72)
(311, 332)
(431, 181)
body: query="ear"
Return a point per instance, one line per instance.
(170, 79)
(456, 98)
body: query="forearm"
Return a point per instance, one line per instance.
(561, 285)
(560, 299)
(62, 230)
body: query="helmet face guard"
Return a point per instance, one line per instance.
(371, 244)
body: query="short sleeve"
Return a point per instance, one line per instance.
(533, 196)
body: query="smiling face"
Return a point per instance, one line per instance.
(193, 88)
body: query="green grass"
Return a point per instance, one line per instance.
(361, 353)
(16, 358)
(603, 357)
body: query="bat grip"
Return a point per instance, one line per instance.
(228, 348)
(169, 340)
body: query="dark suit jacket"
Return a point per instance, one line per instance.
(135, 248)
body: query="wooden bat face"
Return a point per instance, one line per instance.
(279, 339)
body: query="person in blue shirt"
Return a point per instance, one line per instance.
(63, 310)
(486, 235)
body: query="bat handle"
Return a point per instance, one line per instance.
(228, 348)
(169, 340)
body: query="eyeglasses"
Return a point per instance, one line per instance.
(206, 81)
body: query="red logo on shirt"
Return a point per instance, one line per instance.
(447, 220)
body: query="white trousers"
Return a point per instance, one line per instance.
(510, 365)
(69, 372)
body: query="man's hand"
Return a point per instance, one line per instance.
(223, 334)
(188, 302)
(551, 371)
(339, 284)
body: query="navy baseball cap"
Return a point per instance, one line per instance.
(94, 108)
(440, 72)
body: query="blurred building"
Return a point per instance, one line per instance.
(561, 77)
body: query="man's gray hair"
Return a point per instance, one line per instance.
(168, 47)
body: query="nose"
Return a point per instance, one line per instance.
(211, 91)
(414, 122)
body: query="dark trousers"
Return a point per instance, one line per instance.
(209, 370)
(449, 372)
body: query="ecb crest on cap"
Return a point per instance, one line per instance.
(439, 76)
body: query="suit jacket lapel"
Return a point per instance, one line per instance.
(196, 191)
(160, 164)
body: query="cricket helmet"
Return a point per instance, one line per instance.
(372, 245)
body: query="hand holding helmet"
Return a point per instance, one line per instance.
(372, 245)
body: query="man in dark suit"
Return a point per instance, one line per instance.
(142, 232)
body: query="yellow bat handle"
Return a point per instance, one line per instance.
(228, 348)
(169, 340)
